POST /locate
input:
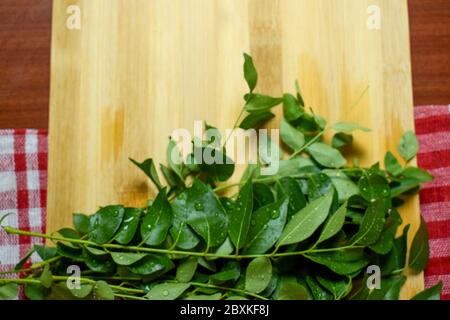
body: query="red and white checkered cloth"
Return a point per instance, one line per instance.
(23, 184)
(23, 189)
(433, 133)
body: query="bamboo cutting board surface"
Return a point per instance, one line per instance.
(137, 69)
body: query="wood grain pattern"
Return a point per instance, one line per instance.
(25, 37)
(139, 69)
(430, 47)
(24, 63)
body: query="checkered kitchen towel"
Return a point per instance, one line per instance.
(433, 133)
(23, 183)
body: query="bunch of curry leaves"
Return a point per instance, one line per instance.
(307, 232)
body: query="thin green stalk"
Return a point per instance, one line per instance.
(273, 179)
(64, 278)
(19, 281)
(310, 142)
(165, 251)
(125, 289)
(35, 281)
(352, 169)
(398, 271)
(227, 186)
(172, 247)
(234, 126)
(91, 281)
(269, 179)
(130, 290)
(126, 296)
(171, 197)
(33, 267)
(115, 278)
(207, 285)
(312, 250)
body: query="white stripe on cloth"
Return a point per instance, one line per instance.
(436, 211)
(435, 141)
(432, 280)
(440, 247)
(441, 178)
(10, 246)
(422, 112)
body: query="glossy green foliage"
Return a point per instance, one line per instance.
(307, 230)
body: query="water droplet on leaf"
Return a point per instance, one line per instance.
(274, 214)
(199, 206)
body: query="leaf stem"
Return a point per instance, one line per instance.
(64, 278)
(234, 126)
(310, 142)
(115, 278)
(227, 186)
(177, 252)
(398, 271)
(126, 296)
(207, 285)
(352, 169)
(19, 281)
(269, 179)
(114, 287)
(328, 249)
(33, 267)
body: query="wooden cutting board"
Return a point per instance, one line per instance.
(137, 69)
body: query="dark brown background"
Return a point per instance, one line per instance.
(25, 31)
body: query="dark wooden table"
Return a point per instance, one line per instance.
(25, 28)
(25, 31)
